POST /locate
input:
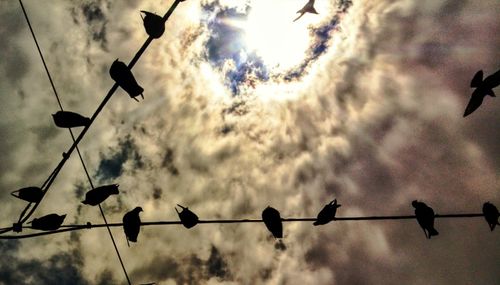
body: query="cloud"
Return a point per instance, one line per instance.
(375, 121)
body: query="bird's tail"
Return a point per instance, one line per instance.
(491, 93)
(299, 16)
(433, 232)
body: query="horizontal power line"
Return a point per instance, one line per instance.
(77, 227)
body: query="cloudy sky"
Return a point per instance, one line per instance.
(245, 108)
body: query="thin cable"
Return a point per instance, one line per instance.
(69, 228)
(110, 93)
(73, 138)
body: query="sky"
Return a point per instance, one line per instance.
(245, 108)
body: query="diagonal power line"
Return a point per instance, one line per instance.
(73, 138)
(70, 228)
(30, 209)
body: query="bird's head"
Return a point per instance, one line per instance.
(114, 189)
(138, 209)
(414, 203)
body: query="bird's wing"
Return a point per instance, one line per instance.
(475, 101)
(477, 79)
(494, 79)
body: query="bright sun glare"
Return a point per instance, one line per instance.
(272, 34)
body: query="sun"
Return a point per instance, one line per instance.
(270, 32)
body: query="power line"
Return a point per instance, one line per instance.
(73, 138)
(46, 186)
(77, 227)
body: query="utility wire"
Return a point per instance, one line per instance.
(46, 186)
(69, 228)
(73, 138)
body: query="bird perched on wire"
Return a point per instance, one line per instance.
(327, 214)
(491, 215)
(153, 24)
(272, 220)
(188, 218)
(49, 222)
(122, 75)
(97, 195)
(425, 218)
(132, 224)
(483, 88)
(308, 8)
(66, 119)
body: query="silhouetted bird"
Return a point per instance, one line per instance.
(154, 24)
(132, 224)
(425, 218)
(327, 214)
(49, 222)
(491, 215)
(483, 88)
(188, 218)
(97, 195)
(66, 119)
(122, 75)
(30, 194)
(272, 220)
(308, 8)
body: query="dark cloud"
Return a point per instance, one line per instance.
(61, 268)
(111, 168)
(186, 269)
(92, 15)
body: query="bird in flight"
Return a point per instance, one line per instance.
(308, 8)
(483, 88)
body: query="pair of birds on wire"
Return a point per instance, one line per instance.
(425, 217)
(120, 73)
(132, 221)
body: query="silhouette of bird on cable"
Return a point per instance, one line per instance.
(97, 195)
(30, 194)
(153, 24)
(308, 8)
(327, 214)
(272, 220)
(132, 224)
(425, 218)
(491, 215)
(122, 75)
(483, 88)
(66, 119)
(49, 222)
(188, 218)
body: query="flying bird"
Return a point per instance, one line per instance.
(66, 119)
(272, 220)
(188, 218)
(49, 222)
(97, 195)
(327, 214)
(153, 24)
(122, 75)
(491, 215)
(425, 218)
(483, 88)
(132, 224)
(308, 8)
(30, 194)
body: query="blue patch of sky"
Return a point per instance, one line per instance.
(226, 42)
